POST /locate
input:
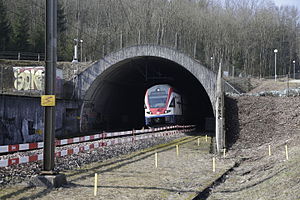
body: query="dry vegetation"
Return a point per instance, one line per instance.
(254, 123)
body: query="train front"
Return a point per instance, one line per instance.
(158, 105)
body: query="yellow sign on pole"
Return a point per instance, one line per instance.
(48, 100)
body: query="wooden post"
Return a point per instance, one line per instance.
(96, 184)
(155, 160)
(286, 152)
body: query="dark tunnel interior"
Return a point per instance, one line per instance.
(118, 98)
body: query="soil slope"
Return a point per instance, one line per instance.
(253, 125)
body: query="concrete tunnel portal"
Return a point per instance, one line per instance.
(115, 99)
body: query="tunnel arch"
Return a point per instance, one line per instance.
(112, 90)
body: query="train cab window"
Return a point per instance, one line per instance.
(172, 104)
(157, 96)
(157, 102)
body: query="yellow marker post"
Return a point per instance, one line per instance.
(155, 160)
(198, 141)
(269, 150)
(96, 183)
(214, 164)
(205, 138)
(286, 152)
(177, 150)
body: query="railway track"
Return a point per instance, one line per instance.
(74, 155)
(6, 149)
(134, 175)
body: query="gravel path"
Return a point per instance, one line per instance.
(135, 176)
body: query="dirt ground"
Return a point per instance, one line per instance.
(135, 176)
(255, 125)
(270, 84)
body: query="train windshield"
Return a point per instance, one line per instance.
(157, 96)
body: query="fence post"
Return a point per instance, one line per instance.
(103, 50)
(161, 36)
(176, 40)
(121, 40)
(139, 37)
(157, 37)
(19, 56)
(195, 49)
(38, 57)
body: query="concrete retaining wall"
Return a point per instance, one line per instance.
(21, 119)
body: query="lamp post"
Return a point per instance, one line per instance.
(275, 51)
(294, 63)
(81, 41)
(211, 63)
(75, 58)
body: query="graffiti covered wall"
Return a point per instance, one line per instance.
(21, 119)
(27, 80)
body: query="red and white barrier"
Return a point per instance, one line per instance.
(38, 157)
(38, 145)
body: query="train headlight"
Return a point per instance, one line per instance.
(149, 112)
(167, 111)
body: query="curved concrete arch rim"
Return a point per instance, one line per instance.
(205, 76)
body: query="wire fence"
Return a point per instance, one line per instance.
(14, 55)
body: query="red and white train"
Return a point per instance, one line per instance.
(163, 105)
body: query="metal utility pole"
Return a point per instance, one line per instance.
(275, 51)
(75, 58)
(51, 59)
(294, 63)
(81, 41)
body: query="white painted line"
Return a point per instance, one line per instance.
(64, 152)
(76, 140)
(3, 163)
(40, 156)
(40, 144)
(76, 150)
(65, 141)
(23, 146)
(24, 159)
(3, 149)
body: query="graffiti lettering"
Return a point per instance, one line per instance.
(28, 78)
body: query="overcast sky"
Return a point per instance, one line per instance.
(288, 2)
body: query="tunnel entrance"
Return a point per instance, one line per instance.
(116, 98)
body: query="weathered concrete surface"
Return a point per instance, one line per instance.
(21, 119)
(49, 181)
(87, 80)
(135, 176)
